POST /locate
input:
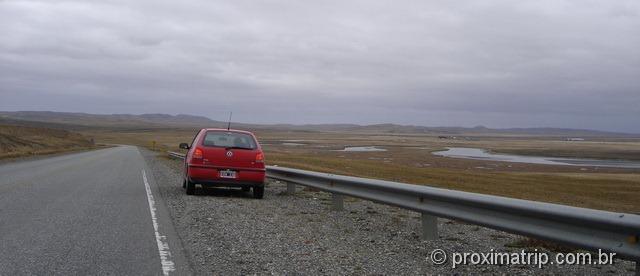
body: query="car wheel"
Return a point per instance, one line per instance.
(191, 187)
(246, 189)
(258, 192)
(184, 184)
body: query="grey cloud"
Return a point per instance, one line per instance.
(496, 63)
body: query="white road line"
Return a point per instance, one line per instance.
(163, 247)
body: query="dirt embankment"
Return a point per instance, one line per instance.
(17, 141)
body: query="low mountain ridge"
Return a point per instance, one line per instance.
(109, 120)
(159, 120)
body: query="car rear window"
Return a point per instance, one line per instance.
(229, 139)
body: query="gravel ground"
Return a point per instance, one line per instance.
(226, 232)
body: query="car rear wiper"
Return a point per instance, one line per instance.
(228, 148)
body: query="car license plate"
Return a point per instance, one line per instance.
(228, 174)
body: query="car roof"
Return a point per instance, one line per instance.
(227, 130)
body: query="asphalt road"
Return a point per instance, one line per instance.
(87, 213)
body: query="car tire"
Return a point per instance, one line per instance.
(191, 187)
(258, 192)
(184, 184)
(246, 189)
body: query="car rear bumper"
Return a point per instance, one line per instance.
(226, 183)
(209, 176)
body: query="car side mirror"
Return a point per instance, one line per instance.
(184, 146)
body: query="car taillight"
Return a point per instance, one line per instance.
(197, 154)
(259, 157)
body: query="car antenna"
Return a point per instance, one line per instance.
(229, 124)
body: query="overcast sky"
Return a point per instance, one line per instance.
(465, 63)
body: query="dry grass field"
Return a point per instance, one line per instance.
(18, 141)
(409, 159)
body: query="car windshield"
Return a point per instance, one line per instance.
(227, 139)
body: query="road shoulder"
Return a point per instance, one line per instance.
(228, 232)
(180, 264)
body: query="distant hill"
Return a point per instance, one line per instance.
(79, 120)
(73, 121)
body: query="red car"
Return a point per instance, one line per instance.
(224, 158)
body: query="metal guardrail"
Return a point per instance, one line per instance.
(176, 155)
(580, 227)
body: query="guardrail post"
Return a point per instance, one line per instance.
(338, 202)
(291, 188)
(429, 227)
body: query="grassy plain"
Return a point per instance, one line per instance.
(408, 159)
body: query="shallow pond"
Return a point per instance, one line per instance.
(361, 149)
(293, 144)
(480, 154)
